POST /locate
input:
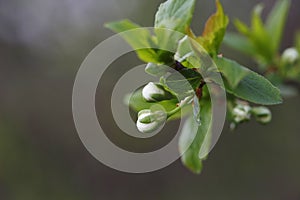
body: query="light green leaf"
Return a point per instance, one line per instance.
(192, 138)
(214, 30)
(157, 69)
(136, 39)
(276, 21)
(172, 21)
(186, 55)
(239, 43)
(256, 89)
(175, 15)
(242, 27)
(257, 23)
(260, 36)
(191, 55)
(231, 70)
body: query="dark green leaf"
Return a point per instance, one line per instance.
(231, 70)
(255, 88)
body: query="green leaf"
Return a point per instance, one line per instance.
(214, 30)
(260, 36)
(185, 53)
(172, 21)
(175, 15)
(182, 82)
(157, 69)
(192, 139)
(191, 55)
(276, 21)
(231, 70)
(264, 39)
(141, 41)
(257, 24)
(242, 27)
(256, 89)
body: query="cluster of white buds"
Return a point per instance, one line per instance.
(241, 113)
(290, 55)
(149, 121)
(155, 92)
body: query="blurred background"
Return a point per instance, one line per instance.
(42, 44)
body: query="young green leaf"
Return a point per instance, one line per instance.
(186, 55)
(231, 70)
(256, 89)
(242, 27)
(141, 41)
(192, 138)
(214, 30)
(276, 21)
(175, 15)
(171, 22)
(260, 36)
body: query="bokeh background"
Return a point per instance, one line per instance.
(42, 44)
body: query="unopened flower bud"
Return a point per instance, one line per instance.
(241, 113)
(155, 92)
(290, 55)
(262, 114)
(149, 121)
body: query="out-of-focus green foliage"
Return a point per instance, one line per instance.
(262, 41)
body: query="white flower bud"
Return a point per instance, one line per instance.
(262, 114)
(155, 92)
(149, 121)
(290, 55)
(241, 113)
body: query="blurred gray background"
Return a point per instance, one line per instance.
(42, 44)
